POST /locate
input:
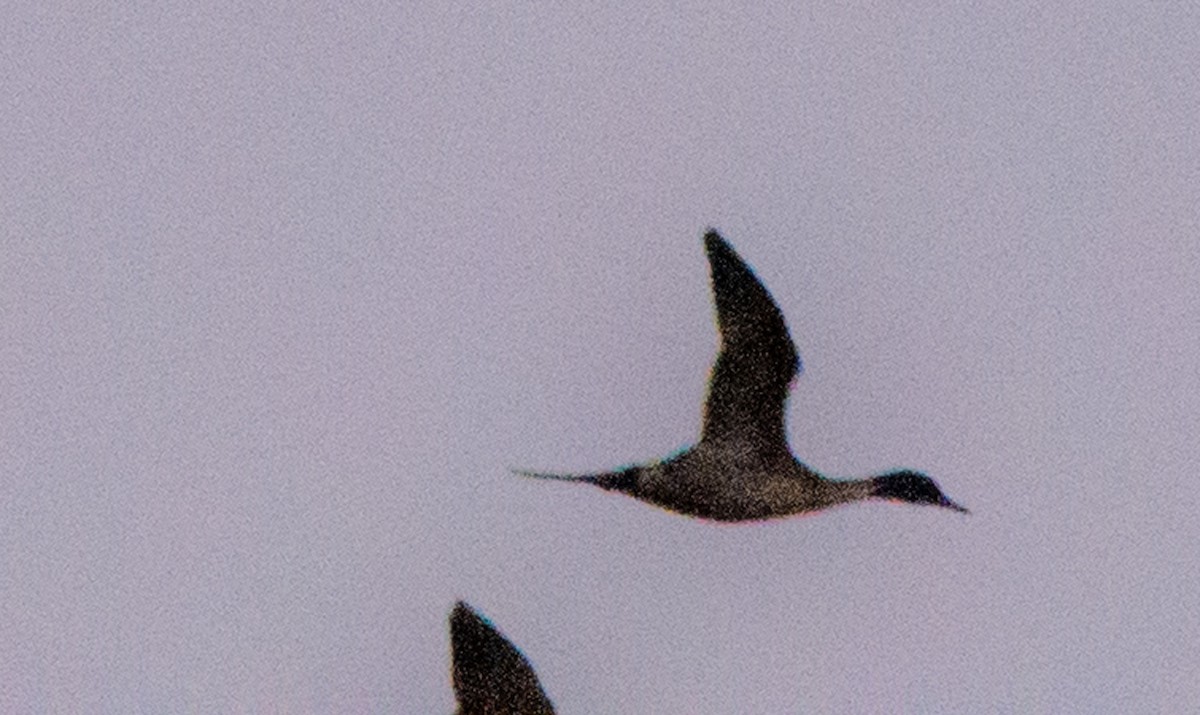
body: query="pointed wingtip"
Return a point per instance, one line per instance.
(463, 618)
(724, 259)
(713, 241)
(488, 672)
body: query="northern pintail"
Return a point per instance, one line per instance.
(490, 675)
(742, 468)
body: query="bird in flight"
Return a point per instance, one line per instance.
(490, 675)
(742, 468)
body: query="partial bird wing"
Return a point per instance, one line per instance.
(490, 675)
(754, 369)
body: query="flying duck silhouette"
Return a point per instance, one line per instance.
(742, 468)
(490, 675)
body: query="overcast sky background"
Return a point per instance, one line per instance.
(285, 289)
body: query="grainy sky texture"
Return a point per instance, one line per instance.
(285, 290)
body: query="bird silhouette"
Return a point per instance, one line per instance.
(490, 675)
(742, 468)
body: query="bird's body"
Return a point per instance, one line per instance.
(490, 675)
(742, 468)
(722, 485)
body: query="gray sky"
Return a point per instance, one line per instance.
(285, 290)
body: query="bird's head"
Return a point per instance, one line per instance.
(912, 487)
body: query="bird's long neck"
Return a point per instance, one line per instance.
(806, 490)
(843, 491)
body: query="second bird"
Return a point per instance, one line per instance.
(742, 468)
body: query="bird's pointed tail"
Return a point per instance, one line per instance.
(622, 480)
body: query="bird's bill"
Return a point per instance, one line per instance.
(946, 502)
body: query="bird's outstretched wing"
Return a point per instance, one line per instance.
(490, 675)
(757, 360)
